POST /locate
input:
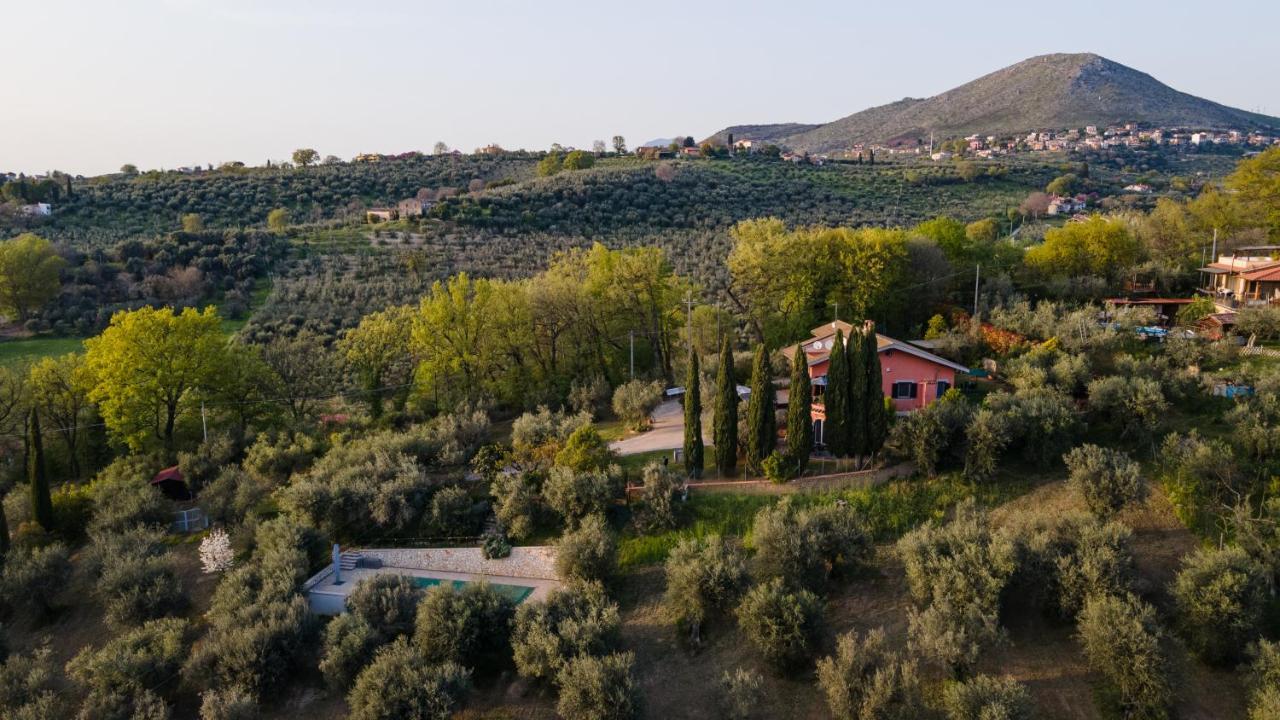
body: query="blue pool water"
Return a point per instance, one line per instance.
(517, 593)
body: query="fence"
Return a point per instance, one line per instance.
(189, 521)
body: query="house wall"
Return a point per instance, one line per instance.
(898, 366)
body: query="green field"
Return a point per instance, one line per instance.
(16, 352)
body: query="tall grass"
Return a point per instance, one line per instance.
(891, 510)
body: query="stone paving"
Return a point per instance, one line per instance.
(532, 566)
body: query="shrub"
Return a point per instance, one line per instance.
(956, 573)
(199, 468)
(1265, 681)
(229, 704)
(136, 589)
(741, 692)
(1221, 598)
(777, 468)
(585, 450)
(33, 577)
(536, 437)
(954, 632)
(123, 497)
(1107, 479)
(72, 511)
(495, 546)
(574, 620)
(656, 512)
(933, 435)
(781, 623)
(134, 704)
(589, 394)
(1121, 640)
(388, 602)
(867, 680)
(984, 697)
(515, 502)
(140, 658)
(1136, 405)
(635, 400)
(598, 688)
(29, 687)
(808, 547)
(589, 552)
(470, 626)
(258, 623)
(233, 494)
(401, 684)
(451, 514)
(577, 495)
(703, 574)
(349, 644)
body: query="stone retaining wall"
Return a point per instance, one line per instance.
(534, 561)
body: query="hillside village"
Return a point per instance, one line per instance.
(776, 424)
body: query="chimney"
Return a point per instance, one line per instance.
(869, 327)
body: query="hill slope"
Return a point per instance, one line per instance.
(1044, 92)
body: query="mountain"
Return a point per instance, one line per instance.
(1048, 92)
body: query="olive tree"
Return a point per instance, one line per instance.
(866, 679)
(1122, 641)
(574, 620)
(401, 684)
(470, 626)
(808, 547)
(588, 552)
(1108, 480)
(983, 697)
(598, 688)
(1221, 600)
(703, 575)
(783, 624)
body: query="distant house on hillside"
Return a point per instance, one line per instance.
(36, 209)
(1138, 188)
(655, 153)
(413, 207)
(380, 214)
(1065, 205)
(1250, 277)
(911, 376)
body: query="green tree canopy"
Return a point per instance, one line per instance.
(149, 368)
(29, 275)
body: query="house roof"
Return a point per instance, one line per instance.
(1266, 273)
(819, 349)
(167, 474)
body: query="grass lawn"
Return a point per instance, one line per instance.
(16, 352)
(892, 509)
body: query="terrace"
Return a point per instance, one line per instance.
(528, 573)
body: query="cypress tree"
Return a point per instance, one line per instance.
(836, 400)
(761, 417)
(799, 419)
(855, 421)
(877, 423)
(726, 416)
(693, 419)
(41, 503)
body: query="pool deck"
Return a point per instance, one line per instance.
(527, 567)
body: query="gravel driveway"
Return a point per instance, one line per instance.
(667, 432)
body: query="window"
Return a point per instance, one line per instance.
(904, 390)
(943, 387)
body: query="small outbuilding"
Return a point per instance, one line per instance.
(171, 483)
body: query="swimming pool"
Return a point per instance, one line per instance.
(516, 593)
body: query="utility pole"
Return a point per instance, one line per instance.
(836, 314)
(977, 271)
(632, 336)
(1213, 256)
(204, 424)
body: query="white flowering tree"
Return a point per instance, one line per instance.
(216, 554)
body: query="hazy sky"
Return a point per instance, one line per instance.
(91, 85)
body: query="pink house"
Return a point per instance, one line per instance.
(910, 376)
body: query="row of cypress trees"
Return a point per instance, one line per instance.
(856, 423)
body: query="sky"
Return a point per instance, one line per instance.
(164, 83)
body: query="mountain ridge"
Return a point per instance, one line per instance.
(1046, 92)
